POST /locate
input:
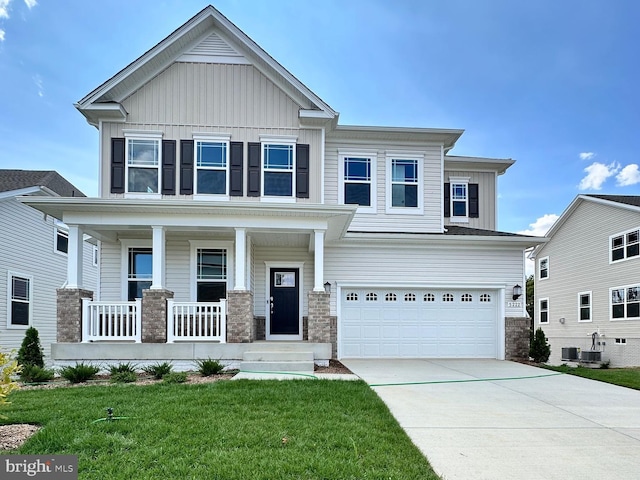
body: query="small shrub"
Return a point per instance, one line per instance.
(605, 365)
(540, 349)
(122, 368)
(209, 367)
(30, 352)
(158, 370)
(175, 377)
(8, 369)
(79, 373)
(123, 377)
(35, 374)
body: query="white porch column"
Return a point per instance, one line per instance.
(318, 261)
(241, 259)
(158, 255)
(74, 257)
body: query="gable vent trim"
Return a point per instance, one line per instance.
(213, 49)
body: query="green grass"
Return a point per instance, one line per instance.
(241, 430)
(625, 377)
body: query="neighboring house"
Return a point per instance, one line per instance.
(234, 208)
(588, 282)
(33, 257)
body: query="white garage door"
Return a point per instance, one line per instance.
(378, 322)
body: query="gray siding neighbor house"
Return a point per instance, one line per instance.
(587, 283)
(237, 216)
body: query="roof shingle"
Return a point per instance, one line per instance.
(19, 179)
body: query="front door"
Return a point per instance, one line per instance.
(283, 315)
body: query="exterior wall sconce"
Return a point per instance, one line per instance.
(561, 320)
(327, 287)
(517, 291)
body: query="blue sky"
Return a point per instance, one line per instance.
(551, 84)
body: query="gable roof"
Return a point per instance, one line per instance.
(13, 180)
(208, 32)
(627, 202)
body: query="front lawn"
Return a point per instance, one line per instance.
(226, 430)
(625, 377)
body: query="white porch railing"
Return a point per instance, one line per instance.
(196, 321)
(111, 321)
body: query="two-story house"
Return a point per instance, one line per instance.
(588, 282)
(236, 213)
(33, 257)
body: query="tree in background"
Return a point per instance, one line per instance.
(530, 291)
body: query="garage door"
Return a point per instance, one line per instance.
(377, 322)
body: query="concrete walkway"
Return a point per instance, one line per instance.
(490, 419)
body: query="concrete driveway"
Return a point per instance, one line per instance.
(491, 419)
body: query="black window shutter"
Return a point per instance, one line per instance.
(168, 167)
(302, 171)
(253, 177)
(235, 171)
(447, 199)
(186, 167)
(474, 203)
(117, 165)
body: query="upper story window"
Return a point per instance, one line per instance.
(461, 199)
(543, 268)
(278, 167)
(19, 300)
(625, 302)
(543, 311)
(61, 238)
(140, 270)
(625, 245)
(404, 184)
(212, 162)
(358, 180)
(143, 165)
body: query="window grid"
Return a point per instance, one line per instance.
(485, 297)
(544, 310)
(543, 267)
(211, 167)
(625, 302)
(459, 199)
(404, 183)
(371, 297)
(352, 297)
(390, 297)
(584, 307)
(143, 162)
(429, 297)
(447, 297)
(625, 245)
(409, 297)
(278, 168)
(466, 297)
(20, 301)
(357, 181)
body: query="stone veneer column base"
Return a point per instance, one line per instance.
(154, 315)
(319, 317)
(240, 321)
(516, 338)
(69, 314)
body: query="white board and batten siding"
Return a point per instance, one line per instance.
(27, 248)
(487, 198)
(579, 254)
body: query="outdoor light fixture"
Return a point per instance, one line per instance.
(327, 287)
(517, 292)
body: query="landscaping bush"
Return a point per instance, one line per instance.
(209, 367)
(36, 374)
(30, 352)
(175, 377)
(79, 373)
(124, 377)
(8, 368)
(158, 370)
(540, 349)
(122, 368)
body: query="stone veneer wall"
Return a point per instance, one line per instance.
(69, 314)
(240, 317)
(334, 336)
(260, 328)
(517, 338)
(154, 315)
(319, 319)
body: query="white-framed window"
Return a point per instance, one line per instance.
(278, 167)
(543, 310)
(543, 268)
(621, 341)
(459, 198)
(143, 151)
(211, 165)
(19, 300)
(404, 183)
(625, 302)
(60, 238)
(584, 307)
(211, 270)
(625, 245)
(95, 255)
(357, 180)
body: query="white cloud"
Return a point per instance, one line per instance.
(4, 8)
(1, 35)
(597, 174)
(541, 226)
(587, 155)
(30, 3)
(629, 175)
(37, 79)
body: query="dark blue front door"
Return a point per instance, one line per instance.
(284, 302)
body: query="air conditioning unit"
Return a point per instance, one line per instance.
(590, 356)
(570, 354)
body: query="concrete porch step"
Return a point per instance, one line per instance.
(277, 361)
